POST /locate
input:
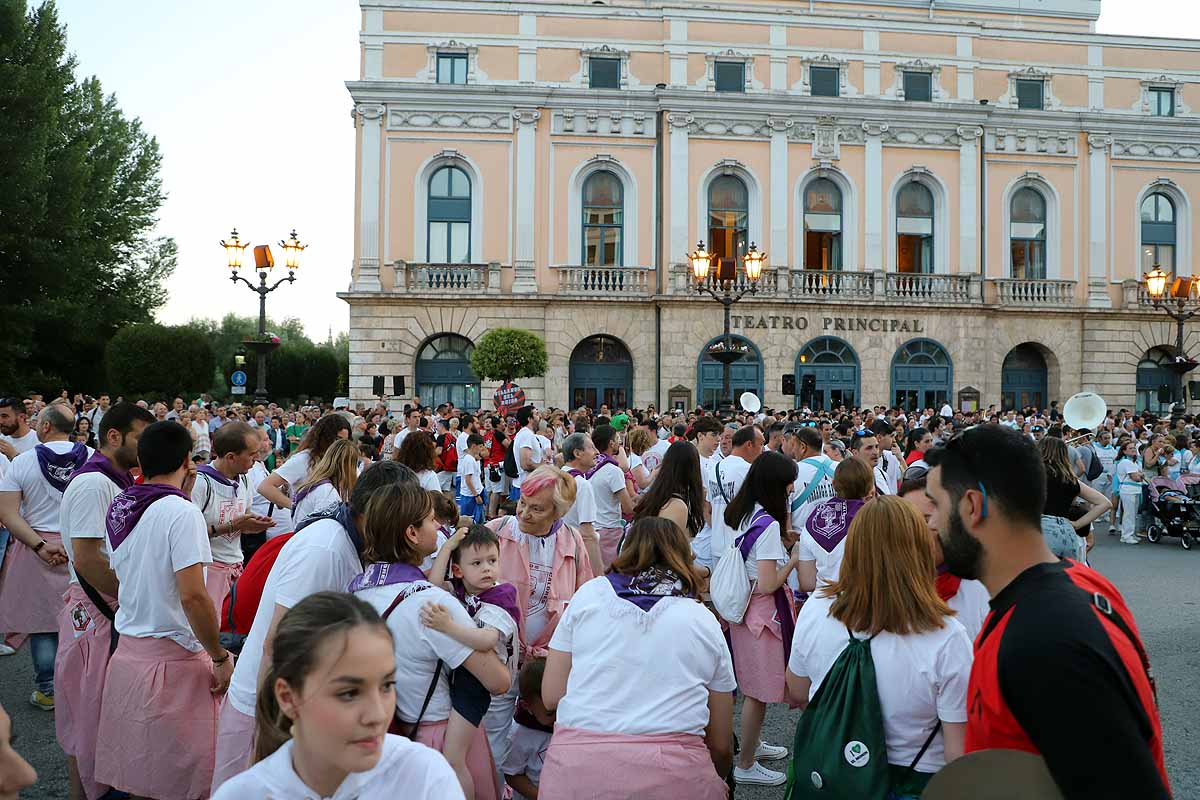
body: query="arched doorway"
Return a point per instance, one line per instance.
(443, 373)
(1023, 378)
(921, 375)
(745, 375)
(833, 365)
(601, 374)
(1155, 383)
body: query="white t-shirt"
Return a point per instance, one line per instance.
(725, 480)
(400, 435)
(316, 501)
(547, 449)
(806, 470)
(295, 469)
(493, 616)
(541, 567)
(405, 769)
(768, 546)
(460, 443)
(224, 504)
(261, 505)
(702, 542)
(635, 675)
(429, 480)
(40, 501)
(606, 485)
(526, 754)
(4, 465)
(1125, 468)
(584, 508)
(1107, 456)
(427, 564)
(170, 536)
(418, 648)
(887, 474)
(654, 456)
(321, 558)
(202, 441)
(84, 506)
(921, 678)
(526, 438)
(971, 603)
(23, 443)
(468, 468)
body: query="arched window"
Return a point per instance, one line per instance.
(444, 372)
(728, 224)
(745, 374)
(914, 228)
(603, 220)
(1027, 234)
(449, 238)
(822, 225)
(921, 375)
(1155, 384)
(601, 373)
(827, 375)
(1023, 378)
(1158, 232)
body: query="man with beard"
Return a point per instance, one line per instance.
(1060, 670)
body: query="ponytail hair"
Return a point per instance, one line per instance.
(297, 648)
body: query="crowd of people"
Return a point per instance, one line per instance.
(257, 601)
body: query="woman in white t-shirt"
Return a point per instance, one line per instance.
(761, 641)
(1129, 480)
(418, 452)
(294, 471)
(323, 715)
(328, 483)
(922, 654)
(394, 584)
(640, 674)
(823, 539)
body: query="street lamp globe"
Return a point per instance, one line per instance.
(234, 249)
(754, 261)
(292, 250)
(701, 261)
(1156, 282)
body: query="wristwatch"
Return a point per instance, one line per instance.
(40, 545)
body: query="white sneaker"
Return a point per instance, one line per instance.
(758, 775)
(770, 752)
(5, 650)
(1135, 540)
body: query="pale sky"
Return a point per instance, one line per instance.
(247, 100)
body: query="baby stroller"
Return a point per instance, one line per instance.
(1172, 512)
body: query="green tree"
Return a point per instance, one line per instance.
(80, 193)
(507, 354)
(157, 361)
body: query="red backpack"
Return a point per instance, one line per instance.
(449, 446)
(241, 604)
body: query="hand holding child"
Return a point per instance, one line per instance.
(436, 616)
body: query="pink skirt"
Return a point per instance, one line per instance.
(757, 644)
(610, 543)
(31, 593)
(583, 765)
(79, 670)
(479, 757)
(217, 580)
(158, 721)
(235, 744)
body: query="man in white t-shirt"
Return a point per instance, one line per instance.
(814, 472)
(579, 456)
(35, 569)
(412, 422)
(866, 446)
(707, 431)
(158, 552)
(726, 480)
(528, 450)
(1104, 450)
(15, 434)
(607, 482)
(260, 505)
(85, 620)
(654, 455)
(222, 493)
(887, 467)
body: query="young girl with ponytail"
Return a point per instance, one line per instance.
(323, 713)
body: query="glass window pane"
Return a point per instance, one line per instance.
(1028, 206)
(918, 86)
(604, 73)
(729, 76)
(824, 81)
(1148, 258)
(1166, 257)
(443, 70)
(823, 195)
(1027, 230)
(915, 200)
(460, 70)
(1029, 94)
(727, 192)
(921, 226)
(602, 189)
(460, 185)
(460, 242)
(823, 222)
(439, 184)
(438, 235)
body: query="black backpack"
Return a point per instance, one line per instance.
(1094, 468)
(510, 463)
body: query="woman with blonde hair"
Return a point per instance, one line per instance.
(1066, 536)
(643, 614)
(885, 599)
(329, 482)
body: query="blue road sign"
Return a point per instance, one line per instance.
(238, 378)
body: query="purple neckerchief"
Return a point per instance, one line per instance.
(645, 589)
(783, 609)
(573, 472)
(601, 460)
(829, 522)
(102, 464)
(57, 468)
(127, 508)
(384, 574)
(503, 595)
(213, 473)
(305, 492)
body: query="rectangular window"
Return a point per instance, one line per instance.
(730, 76)
(604, 73)
(452, 68)
(824, 81)
(918, 86)
(1162, 102)
(1031, 94)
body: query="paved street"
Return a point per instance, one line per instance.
(1159, 581)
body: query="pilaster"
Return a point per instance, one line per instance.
(370, 118)
(1099, 146)
(524, 279)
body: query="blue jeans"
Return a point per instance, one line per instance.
(43, 647)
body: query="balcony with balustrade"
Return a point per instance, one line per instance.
(456, 279)
(613, 283)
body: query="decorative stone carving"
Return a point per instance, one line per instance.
(1099, 141)
(1022, 140)
(1009, 98)
(872, 128)
(932, 137)
(452, 47)
(442, 120)
(370, 111)
(739, 127)
(527, 116)
(1162, 82)
(825, 139)
(804, 86)
(1156, 150)
(602, 123)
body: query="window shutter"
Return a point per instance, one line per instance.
(730, 76)
(824, 81)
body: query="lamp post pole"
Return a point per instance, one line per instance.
(701, 262)
(1181, 291)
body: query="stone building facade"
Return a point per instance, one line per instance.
(957, 200)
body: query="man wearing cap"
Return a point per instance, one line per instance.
(887, 469)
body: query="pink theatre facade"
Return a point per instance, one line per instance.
(957, 200)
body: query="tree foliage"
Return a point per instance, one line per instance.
(150, 360)
(80, 191)
(507, 354)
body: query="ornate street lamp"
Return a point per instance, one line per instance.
(1162, 290)
(725, 351)
(264, 261)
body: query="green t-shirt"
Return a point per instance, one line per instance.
(297, 431)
